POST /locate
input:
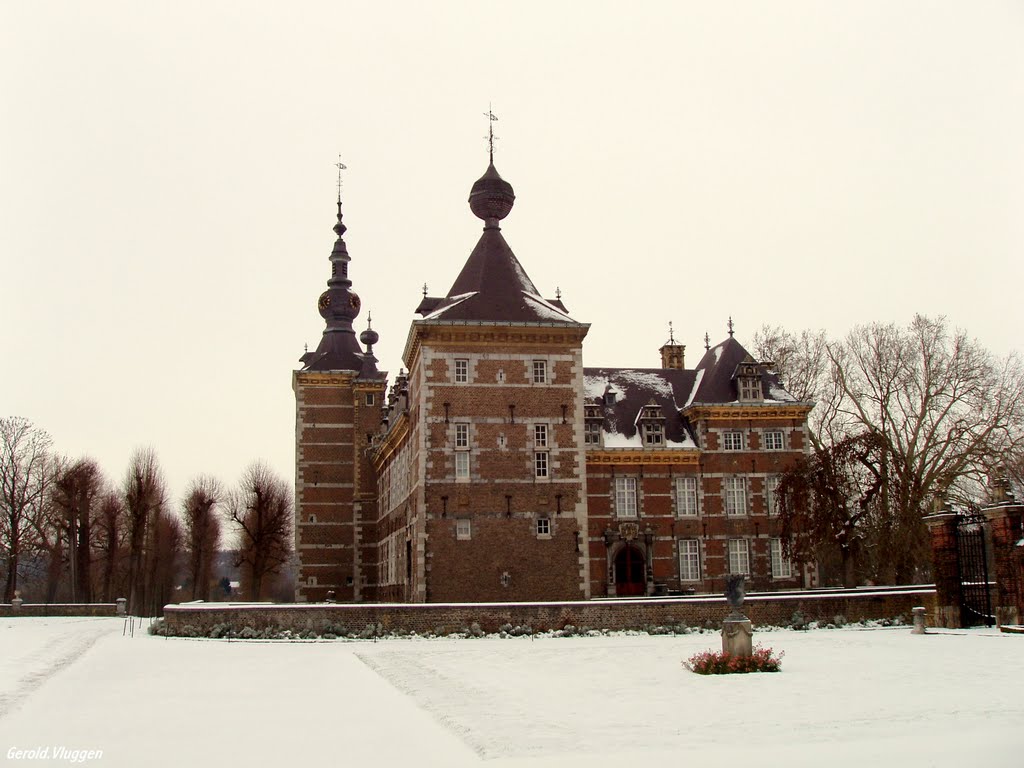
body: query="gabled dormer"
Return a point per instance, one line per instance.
(593, 419)
(748, 381)
(651, 423)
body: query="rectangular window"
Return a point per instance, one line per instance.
(654, 433)
(369, 398)
(739, 556)
(463, 529)
(735, 489)
(462, 465)
(689, 560)
(461, 371)
(592, 433)
(771, 502)
(540, 464)
(543, 526)
(540, 435)
(540, 371)
(732, 441)
(782, 568)
(625, 497)
(686, 496)
(774, 440)
(750, 389)
(462, 435)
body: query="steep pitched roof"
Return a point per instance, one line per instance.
(716, 373)
(493, 286)
(633, 389)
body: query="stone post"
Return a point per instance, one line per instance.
(919, 614)
(16, 604)
(945, 568)
(1005, 526)
(122, 606)
(737, 632)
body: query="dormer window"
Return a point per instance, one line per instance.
(748, 382)
(609, 397)
(652, 424)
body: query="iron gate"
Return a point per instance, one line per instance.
(975, 596)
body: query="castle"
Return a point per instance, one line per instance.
(499, 468)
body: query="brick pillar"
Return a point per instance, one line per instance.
(1005, 526)
(945, 568)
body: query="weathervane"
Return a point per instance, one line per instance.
(671, 336)
(491, 118)
(707, 341)
(341, 167)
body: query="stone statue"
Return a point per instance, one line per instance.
(737, 630)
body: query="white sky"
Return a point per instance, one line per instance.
(167, 189)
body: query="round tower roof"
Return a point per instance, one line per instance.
(491, 197)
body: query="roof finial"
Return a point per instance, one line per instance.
(424, 290)
(491, 118)
(341, 167)
(707, 341)
(558, 293)
(671, 336)
(730, 326)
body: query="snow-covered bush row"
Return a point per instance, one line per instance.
(329, 631)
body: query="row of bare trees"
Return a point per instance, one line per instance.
(906, 418)
(68, 533)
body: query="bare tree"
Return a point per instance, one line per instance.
(75, 486)
(262, 510)
(202, 531)
(164, 550)
(111, 534)
(24, 467)
(144, 496)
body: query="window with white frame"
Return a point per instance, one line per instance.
(686, 496)
(368, 398)
(462, 465)
(461, 371)
(771, 502)
(774, 440)
(540, 435)
(732, 440)
(462, 435)
(739, 556)
(463, 528)
(654, 433)
(592, 433)
(540, 464)
(543, 526)
(689, 560)
(735, 489)
(625, 497)
(782, 568)
(540, 371)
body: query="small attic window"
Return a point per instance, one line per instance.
(750, 389)
(609, 397)
(652, 424)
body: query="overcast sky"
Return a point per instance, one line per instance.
(167, 187)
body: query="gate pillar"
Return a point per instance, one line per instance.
(945, 568)
(1006, 524)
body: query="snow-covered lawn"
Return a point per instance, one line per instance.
(850, 697)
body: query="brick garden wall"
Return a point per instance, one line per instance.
(622, 614)
(58, 609)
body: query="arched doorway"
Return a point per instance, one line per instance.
(630, 572)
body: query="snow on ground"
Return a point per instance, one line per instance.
(851, 697)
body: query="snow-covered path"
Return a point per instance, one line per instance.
(844, 698)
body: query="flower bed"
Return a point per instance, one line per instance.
(722, 663)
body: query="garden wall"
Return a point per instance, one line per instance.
(199, 619)
(59, 609)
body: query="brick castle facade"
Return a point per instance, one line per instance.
(499, 468)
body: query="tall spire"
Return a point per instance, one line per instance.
(339, 306)
(491, 119)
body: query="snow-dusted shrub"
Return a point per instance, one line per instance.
(839, 620)
(475, 631)
(797, 621)
(722, 663)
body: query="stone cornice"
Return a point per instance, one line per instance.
(391, 443)
(633, 456)
(469, 334)
(745, 411)
(323, 378)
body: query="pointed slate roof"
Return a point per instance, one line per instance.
(493, 286)
(716, 374)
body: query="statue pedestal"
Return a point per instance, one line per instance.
(737, 636)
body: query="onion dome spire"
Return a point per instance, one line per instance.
(338, 306)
